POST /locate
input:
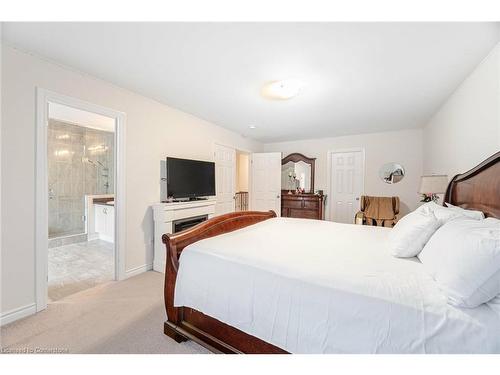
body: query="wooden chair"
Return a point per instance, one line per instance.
(378, 211)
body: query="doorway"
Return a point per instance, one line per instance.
(242, 178)
(80, 164)
(80, 196)
(232, 176)
(346, 183)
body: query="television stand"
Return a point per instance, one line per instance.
(167, 214)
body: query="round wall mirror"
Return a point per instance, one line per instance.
(391, 173)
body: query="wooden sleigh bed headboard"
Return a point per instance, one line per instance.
(478, 189)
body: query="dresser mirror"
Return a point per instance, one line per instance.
(297, 171)
(391, 173)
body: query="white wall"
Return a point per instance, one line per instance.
(1, 181)
(466, 129)
(153, 131)
(404, 147)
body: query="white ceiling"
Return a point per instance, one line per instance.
(360, 77)
(80, 117)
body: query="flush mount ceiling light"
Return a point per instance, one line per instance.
(252, 127)
(282, 90)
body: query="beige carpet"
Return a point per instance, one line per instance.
(115, 317)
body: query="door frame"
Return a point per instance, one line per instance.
(328, 213)
(43, 98)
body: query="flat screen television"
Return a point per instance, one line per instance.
(190, 178)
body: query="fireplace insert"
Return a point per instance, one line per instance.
(182, 224)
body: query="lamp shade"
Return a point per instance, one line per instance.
(434, 184)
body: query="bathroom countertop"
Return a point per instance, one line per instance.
(104, 201)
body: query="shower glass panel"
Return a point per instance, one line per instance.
(80, 163)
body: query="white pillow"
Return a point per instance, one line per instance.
(443, 214)
(473, 214)
(411, 233)
(463, 256)
(494, 304)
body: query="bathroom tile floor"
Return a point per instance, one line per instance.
(79, 266)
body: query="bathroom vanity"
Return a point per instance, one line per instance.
(104, 221)
(101, 217)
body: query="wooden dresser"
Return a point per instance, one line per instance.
(306, 206)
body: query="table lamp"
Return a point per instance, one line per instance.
(431, 186)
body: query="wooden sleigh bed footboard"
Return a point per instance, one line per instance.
(184, 323)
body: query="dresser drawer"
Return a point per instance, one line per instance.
(292, 203)
(302, 206)
(303, 214)
(310, 204)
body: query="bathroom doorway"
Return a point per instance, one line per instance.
(79, 196)
(80, 162)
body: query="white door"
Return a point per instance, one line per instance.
(346, 185)
(225, 178)
(265, 191)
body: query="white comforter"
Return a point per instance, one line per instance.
(312, 286)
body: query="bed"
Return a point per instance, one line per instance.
(249, 282)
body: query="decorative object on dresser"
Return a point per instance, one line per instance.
(378, 211)
(431, 186)
(297, 185)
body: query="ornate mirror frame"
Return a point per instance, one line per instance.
(296, 157)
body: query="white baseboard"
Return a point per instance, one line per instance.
(138, 270)
(16, 314)
(159, 267)
(103, 237)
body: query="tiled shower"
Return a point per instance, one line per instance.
(80, 163)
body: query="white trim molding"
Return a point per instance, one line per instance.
(18, 313)
(44, 97)
(138, 270)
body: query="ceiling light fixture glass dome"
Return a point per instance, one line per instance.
(282, 90)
